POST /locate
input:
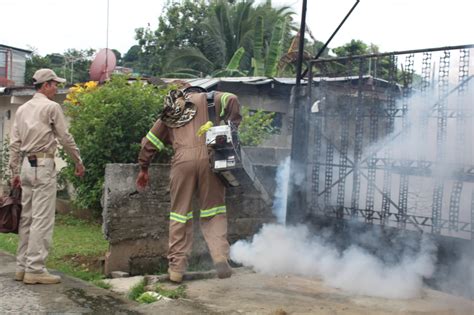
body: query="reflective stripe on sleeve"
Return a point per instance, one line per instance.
(224, 99)
(181, 218)
(213, 211)
(154, 139)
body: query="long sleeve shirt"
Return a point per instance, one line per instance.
(227, 108)
(37, 125)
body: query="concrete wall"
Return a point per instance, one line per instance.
(136, 224)
(271, 97)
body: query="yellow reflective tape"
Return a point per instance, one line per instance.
(177, 220)
(178, 217)
(224, 98)
(213, 211)
(181, 218)
(154, 139)
(221, 210)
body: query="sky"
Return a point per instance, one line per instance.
(53, 26)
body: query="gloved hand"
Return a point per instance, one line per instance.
(202, 130)
(142, 180)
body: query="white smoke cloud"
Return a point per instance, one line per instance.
(391, 272)
(281, 191)
(292, 250)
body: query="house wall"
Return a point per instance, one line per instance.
(271, 97)
(13, 64)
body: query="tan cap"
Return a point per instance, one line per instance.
(44, 75)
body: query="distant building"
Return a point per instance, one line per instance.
(12, 65)
(122, 70)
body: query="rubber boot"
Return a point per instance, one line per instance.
(19, 275)
(175, 276)
(223, 269)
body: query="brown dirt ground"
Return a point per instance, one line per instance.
(251, 293)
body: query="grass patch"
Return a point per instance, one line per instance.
(179, 292)
(102, 284)
(77, 248)
(137, 290)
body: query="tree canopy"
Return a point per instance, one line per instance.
(73, 64)
(197, 38)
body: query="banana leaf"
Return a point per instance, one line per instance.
(258, 62)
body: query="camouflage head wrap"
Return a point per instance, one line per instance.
(178, 110)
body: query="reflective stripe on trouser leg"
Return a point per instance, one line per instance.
(182, 185)
(205, 213)
(42, 199)
(181, 218)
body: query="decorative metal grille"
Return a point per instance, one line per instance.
(392, 139)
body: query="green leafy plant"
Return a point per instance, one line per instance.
(108, 123)
(255, 127)
(137, 290)
(138, 293)
(265, 58)
(148, 297)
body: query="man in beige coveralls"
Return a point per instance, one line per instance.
(37, 124)
(190, 173)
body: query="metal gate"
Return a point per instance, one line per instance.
(391, 139)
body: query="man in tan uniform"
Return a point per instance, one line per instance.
(191, 172)
(37, 124)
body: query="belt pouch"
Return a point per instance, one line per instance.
(33, 160)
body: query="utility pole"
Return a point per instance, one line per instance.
(299, 64)
(297, 190)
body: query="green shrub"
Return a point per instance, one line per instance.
(108, 123)
(255, 127)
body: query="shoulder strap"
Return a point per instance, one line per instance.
(211, 107)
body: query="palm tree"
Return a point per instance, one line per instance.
(230, 27)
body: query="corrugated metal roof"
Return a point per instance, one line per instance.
(205, 82)
(202, 82)
(211, 82)
(15, 48)
(261, 80)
